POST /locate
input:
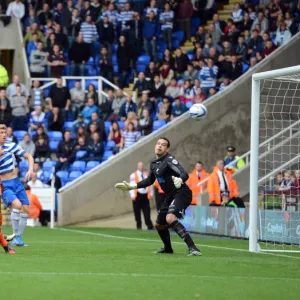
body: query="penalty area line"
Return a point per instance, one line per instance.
(178, 243)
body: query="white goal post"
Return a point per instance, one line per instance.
(274, 221)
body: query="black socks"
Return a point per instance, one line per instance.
(165, 237)
(181, 231)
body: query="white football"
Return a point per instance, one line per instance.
(198, 111)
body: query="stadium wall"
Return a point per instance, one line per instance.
(93, 196)
(11, 38)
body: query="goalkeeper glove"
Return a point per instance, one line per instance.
(177, 181)
(126, 186)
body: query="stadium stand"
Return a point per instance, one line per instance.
(124, 44)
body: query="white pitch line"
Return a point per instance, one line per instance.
(156, 241)
(144, 275)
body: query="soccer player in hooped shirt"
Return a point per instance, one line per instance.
(14, 195)
(172, 177)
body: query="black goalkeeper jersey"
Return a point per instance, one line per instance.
(163, 169)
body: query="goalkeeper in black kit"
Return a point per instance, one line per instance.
(172, 177)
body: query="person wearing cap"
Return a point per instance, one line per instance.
(78, 123)
(232, 157)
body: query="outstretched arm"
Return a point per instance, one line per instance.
(30, 167)
(147, 181)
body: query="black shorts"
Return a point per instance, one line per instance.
(176, 205)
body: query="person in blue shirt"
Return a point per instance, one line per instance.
(150, 32)
(89, 109)
(178, 108)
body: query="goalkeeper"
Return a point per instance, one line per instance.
(172, 177)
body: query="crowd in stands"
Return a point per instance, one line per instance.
(120, 40)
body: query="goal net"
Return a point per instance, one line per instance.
(275, 161)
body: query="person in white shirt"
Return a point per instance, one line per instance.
(16, 9)
(141, 198)
(35, 182)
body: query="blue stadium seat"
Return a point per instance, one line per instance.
(49, 165)
(114, 59)
(141, 68)
(245, 68)
(121, 124)
(160, 55)
(78, 166)
(90, 71)
(32, 133)
(46, 91)
(178, 35)
(63, 176)
(80, 154)
(67, 70)
(107, 127)
(19, 134)
(73, 175)
(189, 104)
(195, 23)
(97, 47)
(68, 125)
(55, 136)
(71, 83)
(91, 81)
(190, 56)
(45, 177)
(143, 59)
(158, 124)
(91, 165)
(110, 145)
(23, 166)
(91, 61)
(106, 155)
(116, 69)
(161, 46)
(53, 145)
(175, 44)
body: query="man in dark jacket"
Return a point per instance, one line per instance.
(181, 62)
(5, 109)
(79, 54)
(105, 63)
(146, 123)
(235, 68)
(141, 84)
(96, 147)
(150, 32)
(126, 107)
(106, 33)
(44, 15)
(64, 152)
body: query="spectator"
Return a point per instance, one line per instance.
(116, 136)
(208, 76)
(131, 118)
(165, 110)
(36, 96)
(16, 9)
(78, 123)
(12, 88)
(173, 90)
(130, 136)
(31, 18)
(222, 188)
(219, 24)
(247, 23)
(79, 55)
(37, 118)
(126, 107)
(118, 101)
(81, 145)
(37, 169)
(136, 33)
(45, 14)
(186, 92)
(106, 105)
(28, 145)
(255, 44)
(89, 109)
(200, 96)
(215, 35)
(195, 178)
(40, 133)
(51, 42)
(235, 68)
(59, 96)
(237, 15)
(35, 207)
(287, 182)
(166, 19)
(55, 119)
(18, 103)
(105, 63)
(181, 61)
(283, 35)
(64, 152)
(184, 15)
(9, 136)
(124, 57)
(100, 126)
(190, 74)
(58, 13)
(263, 21)
(34, 29)
(35, 182)
(96, 147)
(77, 98)
(151, 71)
(145, 125)
(32, 45)
(151, 8)
(38, 61)
(145, 103)
(211, 92)
(89, 31)
(124, 18)
(200, 36)
(270, 47)
(167, 57)
(57, 62)
(87, 11)
(150, 32)
(241, 50)
(232, 157)
(5, 109)
(178, 109)
(42, 150)
(166, 73)
(91, 93)
(158, 89)
(106, 33)
(73, 27)
(4, 78)
(225, 83)
(253, 62)
(82, 132)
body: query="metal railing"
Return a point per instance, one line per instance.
(100, 80)
(268, 143)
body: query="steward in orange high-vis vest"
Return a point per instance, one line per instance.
(197, 176)
(159, 195)
(222, 188)
(140, 198)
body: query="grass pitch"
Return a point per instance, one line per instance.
(115, 264)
